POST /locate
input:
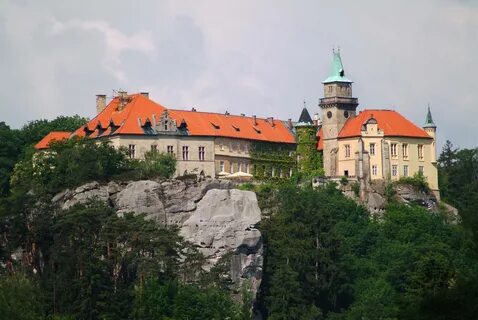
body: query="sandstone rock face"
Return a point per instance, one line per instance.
(141, 197)
(213, 215)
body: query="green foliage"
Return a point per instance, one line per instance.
(70, 163)
(356, 188)
(267, 158)
(14, 144)
(323, 251)
(156, 164)
(171, 300)
(34, 131)
(20, 298)
(309, 160)
(418, 181)
(10, 148)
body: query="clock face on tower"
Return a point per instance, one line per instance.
(346, 114)
(329, 114)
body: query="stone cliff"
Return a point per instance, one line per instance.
(211, 214)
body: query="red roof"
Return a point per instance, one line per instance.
(127, 119)
(49, 138)
(390, 122)
(320, 141)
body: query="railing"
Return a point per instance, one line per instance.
(338, 100)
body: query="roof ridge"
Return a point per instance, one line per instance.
(225, 115)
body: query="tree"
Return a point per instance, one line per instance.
(9, 151)
(20, 298)
(157, 164)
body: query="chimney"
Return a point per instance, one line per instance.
(254, 120)
(289, 124)
(271, 121)
(145, 94)
(100, 102)
(123, 101)
(193, 109)
(243, 114)
(316, 119)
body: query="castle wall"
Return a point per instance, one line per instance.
(192, 165)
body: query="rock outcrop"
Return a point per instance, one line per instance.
(211, 214)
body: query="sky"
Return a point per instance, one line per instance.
(261, 57)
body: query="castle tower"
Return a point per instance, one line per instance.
(337, 106)
(431, 129)
(306, 133)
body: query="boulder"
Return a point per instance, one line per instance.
(83, 194)
(141, 197)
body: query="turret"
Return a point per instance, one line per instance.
(431, 128)
(306, 136)
(337, 106)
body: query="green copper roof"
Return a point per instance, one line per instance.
(429, 120)
(337, 74)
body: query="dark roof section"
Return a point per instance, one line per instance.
(305, 117)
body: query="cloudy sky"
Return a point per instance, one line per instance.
(261, 57)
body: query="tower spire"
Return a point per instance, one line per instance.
(337, 73)
(429, 120)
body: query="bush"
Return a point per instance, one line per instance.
(418, 181)
(356, 188)
(157, 164)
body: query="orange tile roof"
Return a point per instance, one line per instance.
(391, 122)
(138, 109)
(231, 126)
(320, 141)
(49, 138)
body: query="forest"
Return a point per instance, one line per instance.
(325, 256)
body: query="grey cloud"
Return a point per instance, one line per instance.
(255, 57)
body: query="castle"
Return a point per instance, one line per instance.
(369, 145)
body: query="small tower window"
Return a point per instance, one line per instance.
(346, 114)
(329, 114)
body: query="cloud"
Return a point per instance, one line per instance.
(254, 57)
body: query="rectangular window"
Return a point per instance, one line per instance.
(374, 170)
(372, 149)
(170, 150)
(221, 147)
(421, 170)
(420, 151)
(347, 150)
(231, 167)
(405, 150)
(132, 151)
(247, 168)
(185, 153)
(273, 172)
(154, 147)
(394, 170)
(201, 153)
(221, 166)
(393, 149)
(405, 171)
(346, 173)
